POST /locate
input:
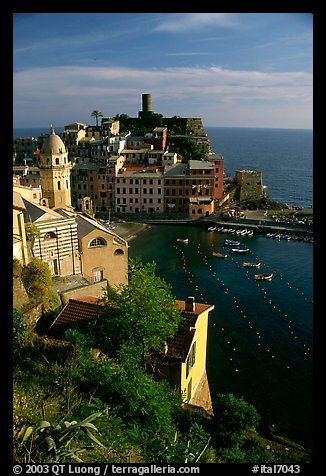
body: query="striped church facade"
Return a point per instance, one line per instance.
(57, 244)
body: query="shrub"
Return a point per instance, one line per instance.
(233, 416)
(36, 277)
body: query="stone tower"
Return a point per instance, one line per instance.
(251, 185)
(55, 172)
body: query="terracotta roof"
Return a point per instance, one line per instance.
(179, 345)
(77, 311)
(199, 307)
(86, 309)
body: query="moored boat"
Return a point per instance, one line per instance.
(263, 277)
(219, 255)
(183, 240)
(240, 250)
(212, 228)
(250, 264)
(231, 243)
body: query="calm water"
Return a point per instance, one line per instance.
(260, 334)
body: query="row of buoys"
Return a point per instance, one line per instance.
(234, 349)
(191, 277)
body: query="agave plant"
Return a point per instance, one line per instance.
(59, 439)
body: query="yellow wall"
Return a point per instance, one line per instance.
(200, 337)
(115, 267)
(29, 192)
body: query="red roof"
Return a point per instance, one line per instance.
(78, 311)
(88, 308)
(179, 345)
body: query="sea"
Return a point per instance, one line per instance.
(260, 334)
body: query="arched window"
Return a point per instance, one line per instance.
(119, 251)
(49, 235)
(59, 185)
(57, 161)
(97, 242)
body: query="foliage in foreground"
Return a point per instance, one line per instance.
(137, 418)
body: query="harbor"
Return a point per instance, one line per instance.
(256, 221)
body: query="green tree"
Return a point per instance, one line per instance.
(144, 313)
(96, 114)
(37, 280)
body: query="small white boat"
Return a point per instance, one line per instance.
(263, 277)
(231, 243)
(239, 250)
(212, 228)
(183, 240)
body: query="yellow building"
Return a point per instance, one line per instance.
(103, 254)
(184, 363)
(19, 236)
(31, 193)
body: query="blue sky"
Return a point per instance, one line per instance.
(230, 69)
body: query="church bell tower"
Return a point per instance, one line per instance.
(55, 172)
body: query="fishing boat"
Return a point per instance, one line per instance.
(263, 277)
(251, 264)
(183, 240)
(240, 250)
(231, 243)
(219, 255)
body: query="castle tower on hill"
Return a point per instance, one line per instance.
(55, 172)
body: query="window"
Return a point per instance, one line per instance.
(97, 275)
(119, 251)
(191, 358)
(57, 161)
(189, 387)
(49, 235)
(59, 185)
(97, 242)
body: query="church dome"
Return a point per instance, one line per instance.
(53, 144)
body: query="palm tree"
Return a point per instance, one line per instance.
(96, 114)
